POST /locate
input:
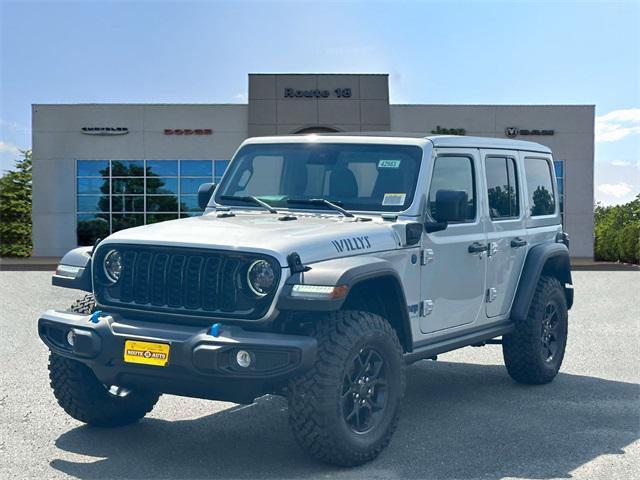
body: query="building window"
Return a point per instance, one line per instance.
(112, 195)
(219, 167)
(558, 165)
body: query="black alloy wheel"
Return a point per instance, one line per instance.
(550, 334)
(364, 391)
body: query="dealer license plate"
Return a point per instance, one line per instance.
(147, 353)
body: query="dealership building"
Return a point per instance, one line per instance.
(98, 168)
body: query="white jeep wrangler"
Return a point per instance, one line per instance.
(323, 264)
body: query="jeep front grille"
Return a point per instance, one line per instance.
(184, 281)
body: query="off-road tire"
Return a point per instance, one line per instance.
(315, 406)
(85, 398)
(523, 348)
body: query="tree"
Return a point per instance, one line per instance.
(15, 209)
(617, 232)
(543, 203)
(503, 201)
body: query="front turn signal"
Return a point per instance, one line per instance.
(320, 291)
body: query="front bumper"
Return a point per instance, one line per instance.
(199, 365)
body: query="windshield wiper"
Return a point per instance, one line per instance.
(323, 202)
(250, 199)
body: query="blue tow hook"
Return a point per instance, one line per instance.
(95, 317)
(214, 331)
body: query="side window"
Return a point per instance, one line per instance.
(502, 187)
(454, 173)
(540, 186)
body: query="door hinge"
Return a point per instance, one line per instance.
(426, 256)
(426, 307)
(492, 294)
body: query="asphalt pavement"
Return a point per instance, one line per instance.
(462, 416)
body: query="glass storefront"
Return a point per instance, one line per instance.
(112, 195)
(559, 168)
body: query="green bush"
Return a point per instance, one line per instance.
(617, 232)
(15, 209)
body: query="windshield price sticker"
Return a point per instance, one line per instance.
(389, 164)
(394, 199)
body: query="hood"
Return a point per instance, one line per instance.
(313, 237)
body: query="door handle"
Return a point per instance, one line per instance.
(477, 247)
(518, 242)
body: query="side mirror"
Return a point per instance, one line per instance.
(451, 206)
(205, 191)
(431, 227)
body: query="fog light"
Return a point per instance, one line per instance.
(243, 358)
(71, 338)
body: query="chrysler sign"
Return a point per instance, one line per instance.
(104, 131)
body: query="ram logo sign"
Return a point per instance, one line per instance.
(512, 132)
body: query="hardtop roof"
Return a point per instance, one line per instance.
(449, 141)
(487, 142)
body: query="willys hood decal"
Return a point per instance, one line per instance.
(314, 237)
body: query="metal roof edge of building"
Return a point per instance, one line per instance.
(324, 73)
(492, 105)
(116, 104)
(137, 104)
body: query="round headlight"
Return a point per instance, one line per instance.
(113, 265)
(260, 277)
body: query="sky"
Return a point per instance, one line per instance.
(474, 52)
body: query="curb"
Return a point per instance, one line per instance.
(605, 267)
(27, 268)
(10, 264)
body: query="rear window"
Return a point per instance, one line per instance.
(540, 186)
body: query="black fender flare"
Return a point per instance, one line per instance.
(551, 258)
(78, 257)
(349, 271)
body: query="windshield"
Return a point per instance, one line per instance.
(358, 177)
